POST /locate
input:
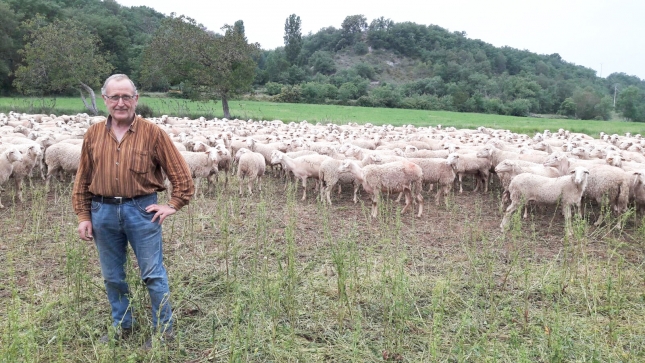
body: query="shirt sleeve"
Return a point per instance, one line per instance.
(176, 169)
(81, 196)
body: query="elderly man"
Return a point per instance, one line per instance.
(115, 199)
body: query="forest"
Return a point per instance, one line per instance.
(369, 63)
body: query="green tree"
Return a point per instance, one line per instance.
(61, 56)
(322, 62)
(631, 103)
(214, 66)
(8, 49)
(352, 30)
(292, 38)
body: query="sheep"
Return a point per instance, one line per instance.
(202, 165)
(437, 170)
(604, 181)
(7, 160)
(252, 165)
(508, 169)
(330, 176)
(566, 190)
(266, 149)
(302, 167)
(471, 164)
(637, 189)
(399, 176)
(31, 155)
(61, 157)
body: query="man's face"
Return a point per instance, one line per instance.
(120, 109)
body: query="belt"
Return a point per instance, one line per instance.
(115, 200)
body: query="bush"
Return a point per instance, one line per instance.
(361, 48)
(289, 94)
(273, 88)
(519, 107)
(144, 110)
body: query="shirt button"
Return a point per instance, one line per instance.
(118, 149)
(117, 163)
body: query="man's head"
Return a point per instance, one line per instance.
(120, 97)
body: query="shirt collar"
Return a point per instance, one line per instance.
(133, 125)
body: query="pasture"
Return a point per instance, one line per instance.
(270, 278)
(288, 112)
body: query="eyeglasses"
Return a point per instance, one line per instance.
(125, 98)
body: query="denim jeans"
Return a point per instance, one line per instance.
(113, 225)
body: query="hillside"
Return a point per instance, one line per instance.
(376, 63)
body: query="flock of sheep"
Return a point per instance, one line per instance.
(549, 168)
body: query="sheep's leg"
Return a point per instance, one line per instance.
(339, 189)
(375, 197)
(461, 188)
(249, 185)
(19, 188)
(526, 210)
(304, 188)
(356, 193)
(241, 184)
(566, 211)
(420, 200)
(507, 216)
(398, 199)
(408, 200)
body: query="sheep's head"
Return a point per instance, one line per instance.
(13, 155)
(452, 159)
(504, 167)
(485, 152)
(580, 174)
(276, 157)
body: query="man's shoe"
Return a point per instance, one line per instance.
(167, 336)
(117, 334)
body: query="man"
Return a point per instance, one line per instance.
(115, 199)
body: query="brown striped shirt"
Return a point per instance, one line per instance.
(129, 168)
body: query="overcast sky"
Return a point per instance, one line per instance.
(604, 35)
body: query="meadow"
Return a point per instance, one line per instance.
(271, 278)
(295, 112)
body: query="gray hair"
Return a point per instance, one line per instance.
(118, 77)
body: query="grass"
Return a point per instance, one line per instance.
(269, 278)
(289, 112)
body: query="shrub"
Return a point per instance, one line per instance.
(361, 48)
(289, 94)
(273, 88)
(144, 110)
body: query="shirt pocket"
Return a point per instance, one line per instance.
(141, 162)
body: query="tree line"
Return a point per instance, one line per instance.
(62, 47)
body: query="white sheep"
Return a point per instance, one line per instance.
(251, 165)
(329, 176)
(62, 157)
(7, 160)
(605, 181)
(566, 190)
(31, 156)
(396, 177)
(473, 165)
(202, 165)
(303, 167)
(508, 169)
(437, 170)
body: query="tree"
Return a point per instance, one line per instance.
(61, 56)
(8, 51)
(353, 27)
(292, 38)
(212, 65)
(631, 103)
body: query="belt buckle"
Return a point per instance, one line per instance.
(119, 200)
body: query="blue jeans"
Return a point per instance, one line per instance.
(113, 225)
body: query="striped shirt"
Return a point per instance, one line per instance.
(129, 168)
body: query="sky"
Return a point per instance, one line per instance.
(604, 35)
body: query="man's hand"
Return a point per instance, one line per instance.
(163, 211)
(85, 230)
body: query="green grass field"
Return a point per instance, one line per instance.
(335, 114)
